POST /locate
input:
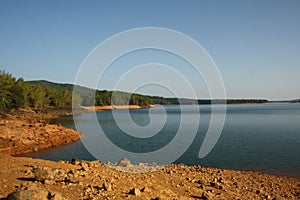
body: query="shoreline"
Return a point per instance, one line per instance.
(114, 107)
(28, 130)
(95, 180)
(22, 129)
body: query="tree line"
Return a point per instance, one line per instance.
(16, 93)
(104, 98)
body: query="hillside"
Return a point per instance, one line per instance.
(52, 85)
(17, 93)
(85, 92)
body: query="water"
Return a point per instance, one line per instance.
(261, 137)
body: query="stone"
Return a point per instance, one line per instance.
(145, 189)
(135, 191)
(212, 184)
(199, 182)
(202, 187)
(72, 178)
(59, 174)
(49, 182)
(206, 195)
(88, 189)
(29, 195)
(93, 163)
(107, 186)
(56, 196)
(43, 174)
(125, 162)
(21, 195)
(35, 148)
(258, 192)
(156, 198)
(267, 196)
(75, 161)
(84, 166)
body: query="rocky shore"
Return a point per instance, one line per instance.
(27, 178)
(28, 130)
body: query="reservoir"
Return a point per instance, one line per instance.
(260, 137)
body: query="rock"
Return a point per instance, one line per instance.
(48, 175)
(59, 174)
(73, 179)
(258, 192)
(43, 174)
(75, 161)
(125, 162)
(212, 184)
(21, 195)
(29, 195)
(145, 189)
(216, 185)
(156, 198)
(107, 186)
(35, 148)
(56, 196)
(206, 195)
(236, 184)
(88, 189)
(267, 196)
(49, 182)
(85, 166)
(93, 163)
(199, 181)
(135, 191)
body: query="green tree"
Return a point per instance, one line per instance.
(11, 91)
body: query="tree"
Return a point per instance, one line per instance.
(11, 91)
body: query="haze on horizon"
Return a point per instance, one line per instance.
(255, 44)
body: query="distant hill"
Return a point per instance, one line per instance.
(97, 97)
(80, 90)
(48, 84)
(86, 93)
(16, 93)
(295, 101)
(287, 101)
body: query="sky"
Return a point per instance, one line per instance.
(255, 44)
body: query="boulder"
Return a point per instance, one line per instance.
(29, 195)
(43, 174)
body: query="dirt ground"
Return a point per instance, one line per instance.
(95, 180)
(28, 130)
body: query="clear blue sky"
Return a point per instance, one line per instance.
(255, 44)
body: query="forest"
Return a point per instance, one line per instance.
(16, 93)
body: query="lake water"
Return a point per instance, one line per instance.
(261, 137)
